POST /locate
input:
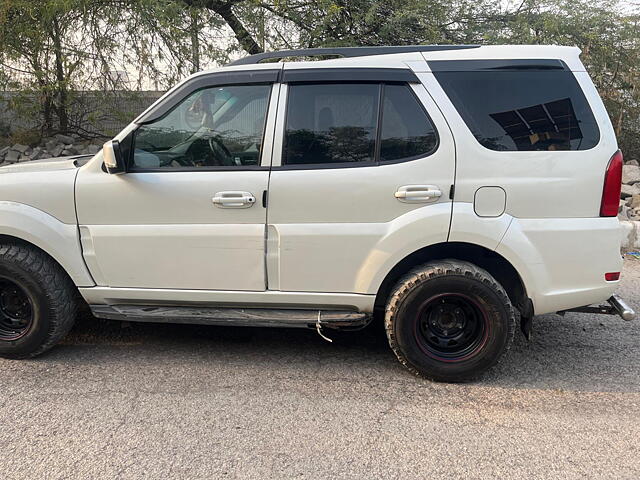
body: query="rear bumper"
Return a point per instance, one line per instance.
(562, 261)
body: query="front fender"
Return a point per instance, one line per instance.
(59, 240)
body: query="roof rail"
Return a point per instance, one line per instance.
(346, 52)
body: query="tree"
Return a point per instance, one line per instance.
(54, 48)
(35, 46)
(225, 10)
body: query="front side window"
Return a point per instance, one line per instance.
(331, 123)
(213, 127)
(524, 110)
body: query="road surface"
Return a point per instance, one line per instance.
(170, 401)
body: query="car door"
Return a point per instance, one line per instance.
(361, 177)
(188, 213)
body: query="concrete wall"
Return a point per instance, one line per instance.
(103, 113)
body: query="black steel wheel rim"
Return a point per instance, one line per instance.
(451, 327)
(16, 310)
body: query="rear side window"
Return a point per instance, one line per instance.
(346, 123)
(525, 110)
(331, 123)
(406, 131)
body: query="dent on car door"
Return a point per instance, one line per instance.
(361, 179)
(185, 216)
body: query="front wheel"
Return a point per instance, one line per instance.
(38, 302)
(449, 320)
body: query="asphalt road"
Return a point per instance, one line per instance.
(170, 401)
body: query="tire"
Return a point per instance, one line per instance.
(38, 302)
(449, 321)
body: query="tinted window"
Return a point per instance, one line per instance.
(523, 110)
(331, 123)
(214, 127)
(406, 130)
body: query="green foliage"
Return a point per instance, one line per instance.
(51, 49)
(24, 136)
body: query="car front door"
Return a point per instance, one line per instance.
(189, 212)
(361, 178)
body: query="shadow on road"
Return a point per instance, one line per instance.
(575, 353)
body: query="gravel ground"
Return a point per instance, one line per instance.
(166, 401)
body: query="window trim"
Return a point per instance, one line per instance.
(348, 75)
(328, 166)
(131, 168)
(244, 168)
(377, 146)
(497, 65)
(376, 162)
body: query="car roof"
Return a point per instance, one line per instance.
(378, 57)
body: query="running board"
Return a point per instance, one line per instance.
(250, 317)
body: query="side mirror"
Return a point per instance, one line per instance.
(113, 158)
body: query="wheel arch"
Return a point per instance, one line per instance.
(37, 229)
(494, 263)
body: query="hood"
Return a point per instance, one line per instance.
(47, 165)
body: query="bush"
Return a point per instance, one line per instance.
(25, 137)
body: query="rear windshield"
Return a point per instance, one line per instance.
(522, 109)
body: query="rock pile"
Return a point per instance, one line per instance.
(57, 146)
(630, 195)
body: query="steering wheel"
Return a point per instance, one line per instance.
(221, 153)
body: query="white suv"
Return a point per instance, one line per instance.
(454, 190)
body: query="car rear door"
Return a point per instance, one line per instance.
(361, 176)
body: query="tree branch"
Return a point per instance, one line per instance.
(224, 9)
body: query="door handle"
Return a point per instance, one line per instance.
(233, 199)
(418, 193)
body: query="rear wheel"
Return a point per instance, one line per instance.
(38, 302)
(449, 320)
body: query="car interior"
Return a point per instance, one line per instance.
(214, 127)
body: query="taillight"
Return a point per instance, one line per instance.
(612, 186)
(612, 276)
